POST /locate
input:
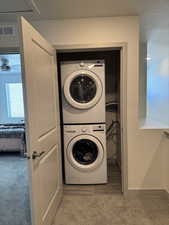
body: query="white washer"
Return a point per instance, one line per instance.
(83, 91)
(85, 156)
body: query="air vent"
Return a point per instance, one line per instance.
(7, 30)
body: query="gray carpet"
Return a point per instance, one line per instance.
(14, 197)
(105, 205)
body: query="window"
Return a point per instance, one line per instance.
(15, 104)
(11, 97)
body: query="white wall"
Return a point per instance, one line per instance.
(144, 155)
(144, 146)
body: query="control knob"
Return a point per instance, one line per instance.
(84, 130)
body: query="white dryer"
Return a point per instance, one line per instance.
(85, 156)
(83, 91)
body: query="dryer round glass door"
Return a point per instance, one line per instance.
(85, 152)
(83, 89)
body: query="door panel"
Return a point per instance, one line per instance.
(46, 144)
(42, 123)
(48, 166)
(45, 89)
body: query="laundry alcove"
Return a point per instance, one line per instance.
(112, 57)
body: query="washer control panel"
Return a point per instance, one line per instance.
(99, 127)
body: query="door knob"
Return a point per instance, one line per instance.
(37, 155)
(26, 155)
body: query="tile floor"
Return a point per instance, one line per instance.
(105, 205)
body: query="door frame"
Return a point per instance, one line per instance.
(122, 46)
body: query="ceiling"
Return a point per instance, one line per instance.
(10, 6)
(9, 10)
(99, 8)
(62, 9)
(153, 13)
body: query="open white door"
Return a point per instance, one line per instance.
(42, 123)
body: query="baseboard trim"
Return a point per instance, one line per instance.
(146, 192)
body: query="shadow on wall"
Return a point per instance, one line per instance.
(157, 169)
(166, 162)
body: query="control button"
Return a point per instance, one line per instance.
(82, 64)
(84, 129)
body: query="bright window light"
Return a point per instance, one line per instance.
(15, 104)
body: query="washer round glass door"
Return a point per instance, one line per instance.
(83, 89)
(85, 152)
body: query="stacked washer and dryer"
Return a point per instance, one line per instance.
(84, 129)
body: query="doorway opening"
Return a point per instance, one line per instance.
(14, 193)
(113, 147)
